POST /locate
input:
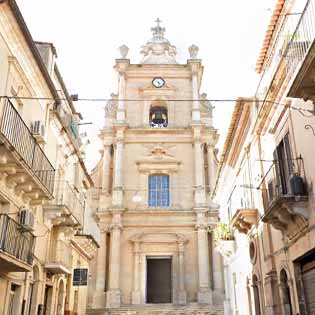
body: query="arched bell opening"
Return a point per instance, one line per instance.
(158, 115)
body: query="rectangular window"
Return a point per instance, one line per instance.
(159, 195)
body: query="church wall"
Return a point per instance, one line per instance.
(181, 193)
(158, 249)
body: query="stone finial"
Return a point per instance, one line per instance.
(123, 51)
(193, 51)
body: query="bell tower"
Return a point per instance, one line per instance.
(156, 173)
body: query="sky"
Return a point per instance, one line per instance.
(87, 35)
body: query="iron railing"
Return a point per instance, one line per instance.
(16, 240)
(18, 135)
(65, 195)
(290, 49)
(277, 184)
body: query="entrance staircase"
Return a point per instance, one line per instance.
(161, 309)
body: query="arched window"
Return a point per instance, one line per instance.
(285, 293)
(159, 192)
(256, 295)
(158, 115)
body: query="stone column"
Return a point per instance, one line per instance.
(227, 300)
(136, 294)
(211, 167)
(200, 194)
(204, 292)
(113, 295)
(117, 200)
(106, 168)
(121, 111)
(182, 296)
(99, 295)
(195, 92)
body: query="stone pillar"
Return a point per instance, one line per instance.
(195, 92)
(182, 296)
(136, 294)
(271, 294)
(121, 111)
(117, 200)
(113, 295)
(227, 300)
(204, 292)
(211, 167)
(106, 168)
(99, 295)
(200, 194)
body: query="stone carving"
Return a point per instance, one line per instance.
(157, 151)
(111, 106)
(123, 51)
(193, 51)
(158, 49)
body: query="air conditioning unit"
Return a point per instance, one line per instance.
(27, 219)
(38, 128)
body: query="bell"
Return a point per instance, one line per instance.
(158, 117)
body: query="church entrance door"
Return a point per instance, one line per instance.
(159, 280)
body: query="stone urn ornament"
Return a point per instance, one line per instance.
(123, 51)
(193, 51)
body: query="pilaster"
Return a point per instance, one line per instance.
(113, 295)
(204, 292)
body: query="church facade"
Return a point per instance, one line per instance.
(153, 184)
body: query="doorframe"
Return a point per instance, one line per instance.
(144, 273)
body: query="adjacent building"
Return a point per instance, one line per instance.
(157, 169)
(266, 174)
(45, 245)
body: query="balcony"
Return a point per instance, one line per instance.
(285, 201)
(22, 161)
(244, 219)
(67, 208)
(16, 246)
(303, 85)
(60, 258)
(293, 44)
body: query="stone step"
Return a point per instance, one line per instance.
(161, 309)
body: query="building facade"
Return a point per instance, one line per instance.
(45, 246)
(157, 168)
(266, 175)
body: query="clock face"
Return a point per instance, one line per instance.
(158, 82)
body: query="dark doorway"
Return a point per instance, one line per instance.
(159, 280)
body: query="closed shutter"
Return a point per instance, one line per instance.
(308, 277)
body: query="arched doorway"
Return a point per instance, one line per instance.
(285, 293)
(256, 295)
(61, 298)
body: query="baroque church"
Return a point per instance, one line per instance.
(154, 181)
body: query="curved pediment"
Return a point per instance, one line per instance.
(159, 237)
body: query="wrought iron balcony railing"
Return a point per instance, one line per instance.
(15, 240)
(66, 196)
(291, 47)
(285, 199)
(15, 132)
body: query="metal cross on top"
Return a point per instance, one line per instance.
(158, 21)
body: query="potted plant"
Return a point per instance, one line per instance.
(224, 240)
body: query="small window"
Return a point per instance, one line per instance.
(159, 195)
